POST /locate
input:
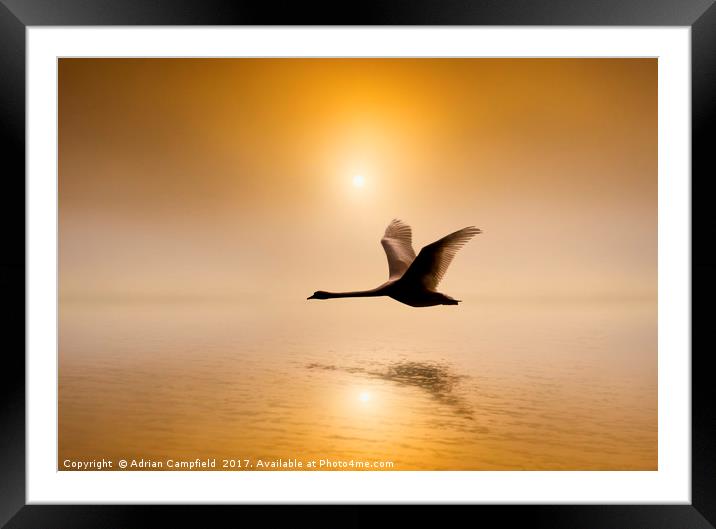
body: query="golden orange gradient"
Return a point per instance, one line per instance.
(202, 200)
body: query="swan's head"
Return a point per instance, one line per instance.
(319, 294)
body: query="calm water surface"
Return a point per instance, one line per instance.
(538, 386)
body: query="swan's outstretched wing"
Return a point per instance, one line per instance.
(398, 245)
(430, 265)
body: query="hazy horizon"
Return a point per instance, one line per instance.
(213, 178)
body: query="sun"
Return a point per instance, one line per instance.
(358, 181)
(364, 396)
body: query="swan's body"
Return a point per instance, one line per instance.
(412, 280)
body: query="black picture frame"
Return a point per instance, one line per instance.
(16, 15)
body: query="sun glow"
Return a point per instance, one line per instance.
(364, 396)
(358, 181)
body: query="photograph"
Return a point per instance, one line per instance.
(357, 264)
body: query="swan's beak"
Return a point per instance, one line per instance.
(312, 297)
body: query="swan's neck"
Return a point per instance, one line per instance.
(356, 294)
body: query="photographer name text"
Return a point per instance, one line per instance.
(225, 464)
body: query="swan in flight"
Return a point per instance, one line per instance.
(412, 280)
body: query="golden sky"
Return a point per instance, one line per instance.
(233, 177)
